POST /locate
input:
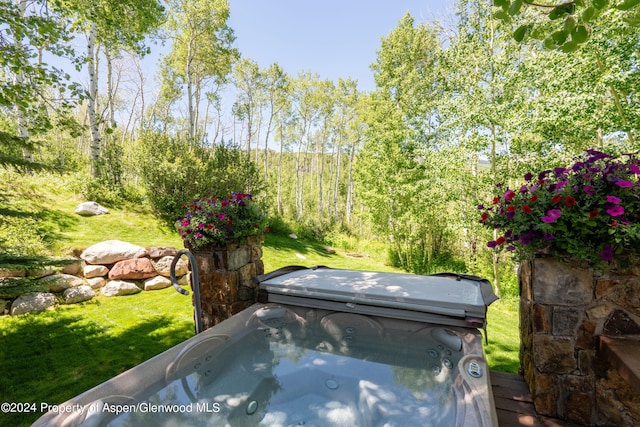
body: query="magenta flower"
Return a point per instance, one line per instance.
(617, 210)
(634, 168)
(548, 219)
(589, 190)
(492, 244)
(554, 213)
(624, 184)
(613, 199)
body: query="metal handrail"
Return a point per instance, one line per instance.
(195, 284)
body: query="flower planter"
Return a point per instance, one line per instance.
(564, 308)
(226, 272)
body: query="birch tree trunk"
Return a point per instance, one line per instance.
(92, 102)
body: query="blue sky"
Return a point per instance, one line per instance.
(330, 37)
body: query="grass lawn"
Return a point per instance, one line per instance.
(53, 356)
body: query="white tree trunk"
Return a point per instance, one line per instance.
(92, 104)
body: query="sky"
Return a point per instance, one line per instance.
(334, 38)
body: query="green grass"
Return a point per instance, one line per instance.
(53, 356)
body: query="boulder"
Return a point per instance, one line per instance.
(163, 265)
(132, 269)
(61, 282)
(156, 252)
(97, 282)
(39, 273)
(12, 272)
(32, 302)
(111, 251)
(185, 280)
(73, 268)
(119, 287)
(155, 283)
(90, 271)
(78, 294)
(91, 209)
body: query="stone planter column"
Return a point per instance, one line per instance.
(226, 285)
(563, 311)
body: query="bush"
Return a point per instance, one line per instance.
(175, 171)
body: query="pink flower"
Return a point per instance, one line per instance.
(616, 210)
(613, 199)
(624, 184)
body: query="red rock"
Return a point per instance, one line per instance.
(132, 269)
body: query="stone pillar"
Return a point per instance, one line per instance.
(226, 285)
(563, 310)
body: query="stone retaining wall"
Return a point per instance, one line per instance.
(112, 268)
(563, 311)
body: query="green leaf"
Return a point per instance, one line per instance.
(515, 7)
(599, 4)
(569, 24)
(501, 3)
(570, 46)
(502, 15)
(549, 43)
(559, 37)
(519, 34)
(588, 14)
(627, 4)
(561, 10)
(580, 34)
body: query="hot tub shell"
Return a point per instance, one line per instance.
(327, 347)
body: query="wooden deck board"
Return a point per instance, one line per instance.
(514, 404)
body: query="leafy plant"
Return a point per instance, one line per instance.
(589, 211)
(217, 221)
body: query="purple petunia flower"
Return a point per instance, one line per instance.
(624, 184)
(554, 213)
(528, 176)
(613, 199)
(492, 244)
(607, 253)
(548, 236)
(589, 190)
(548, 219)
(634, 169)
(510, 248)
(617, 210)
(198, 235)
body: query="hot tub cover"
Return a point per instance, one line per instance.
(446, 298)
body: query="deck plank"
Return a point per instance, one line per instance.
(514, 404)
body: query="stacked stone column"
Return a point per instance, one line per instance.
(563, 310)
(226, 285)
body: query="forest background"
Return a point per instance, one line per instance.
(509, 88)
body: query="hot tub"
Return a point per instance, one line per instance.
(323, 357)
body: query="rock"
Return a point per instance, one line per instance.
(119, 288)
(90, 271)
(111, 251)
(12, 272)
(97, 282)
(73, 268)
(78, 294)
(293, 236)
(61, 282)
(32, 302)
(5, 305)
(329, 250)
(91, 209)
(132, 269)
(163, 266)
(185, 280)
(155, 283)
(156, 252)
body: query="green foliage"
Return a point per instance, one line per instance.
(175, 172)
(564, 25)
